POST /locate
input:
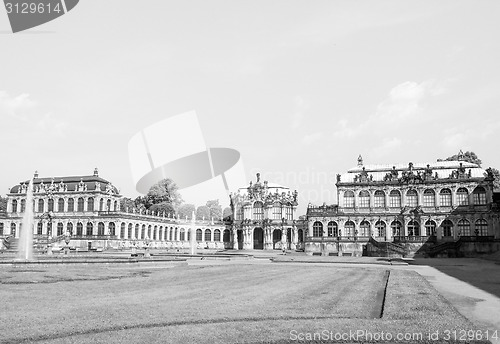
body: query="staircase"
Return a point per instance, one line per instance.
(445, 246)
(386, 249)
(11, 243)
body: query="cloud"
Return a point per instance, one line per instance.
(15, 106)
(301, 106)
(312, 138)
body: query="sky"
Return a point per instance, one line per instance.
(299, 88)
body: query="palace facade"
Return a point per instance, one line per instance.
(87, 209)
(407, 206)
(265, 217)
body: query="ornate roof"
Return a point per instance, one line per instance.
(265, 192)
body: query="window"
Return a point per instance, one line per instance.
(171, 234)
(14, 206)
(429, 198)
(1, 228)
(208, 235)
(69, 228)
(129, 231)
(277, 211)
(364, 199)
(380, 228)
(51, 204)
(445, 198)
(462, 196)
(258, 211)
(71, 204)
(412, 198)
(395, 199)
(413, 228)
(349, 229)
(479, 196)
(150, 234)
(143, 232)
(122, 230)
(39, 228)
(79, 229)
(217, 235)
(90, 228)
(80, 204)
(40, 206)
(90, 204)
(155, 233)
(430, 228)
(199, 235)
(112, 228)
(317, 229)
(108, 205)
(349, 199)
(364, 228)
(101, 204)
(464, 227)
(447, 228)
(396, 228)
(289, 212)
(60, 205)
(136, 235)
(333, 229)
(100, 228)
(379, 199)
(23, 205)
(60, 229)
(481, 227)
(182, 235)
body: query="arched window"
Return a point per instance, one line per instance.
(129, 231)
(464, 227)
(51, 204)
(445, 198)
(208, 235)
(90, 228)
(143, 232)
(79, 229)
(317, 229)
(364, 228)
(122, 230)
(60, 229)
(333, 229)
(101, 204)
(39, 228)
(108, 205)
(364, 199)
(100, 229)
(227, 236)
(277, 211)
(479, 195)
(80, 204)
(71, 204)
(60, 205)
(258, 211)
(13, 229)
(380, 228)
(14, 206)
(481, 227)
(136, 235)
(115, 206)
(462, 196)
(112, 228)
(90, 204)
(379, 199)
(349, 199)
(301, 235)
(1, 228)
(412, 198)
(395, 199)
(155, 233)
(182, 235)
(23, 205)
(217, 235)
(349, 229)
(150, 234)
(40, 205)
(171, 234)
(447, 226)
(413, 228)
(199, 235)
(430, 228)
(69, 228)
(429, 198)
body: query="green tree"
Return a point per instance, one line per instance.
(496, 182)
(3, 204)
(215, 209)
(186, 210)
(127, 203)
(202, 213)
(165, 191)
(468, 156)
(163, 207)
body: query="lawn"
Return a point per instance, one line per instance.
(225, 303)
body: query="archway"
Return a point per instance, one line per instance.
(240, 239)
(258, 239)
(276, 238)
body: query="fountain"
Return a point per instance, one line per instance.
(25, 251)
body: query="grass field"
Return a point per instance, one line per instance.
(225, 303)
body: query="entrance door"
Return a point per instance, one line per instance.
(276, 238)
(240, 239)
(289, 238)
(258, 239)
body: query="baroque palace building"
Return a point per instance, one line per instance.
(87, 209)
(406, 208)
(265, 217)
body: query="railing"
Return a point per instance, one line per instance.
(482, 238)
(94, 237)
(414, 238)
(337, 239)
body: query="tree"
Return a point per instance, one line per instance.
(203, 213)
(468, 156)
(215, 209)
(163, 207)
(186, 210)
(165, 191)
(127, 203)
(496, 182)
(227, 212)
(3, 204)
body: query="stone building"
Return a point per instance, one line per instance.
(87, 208)
(408, 205)
(265, 217)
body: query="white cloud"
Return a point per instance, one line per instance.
(301, 106)
(312, 138)
(15, 106)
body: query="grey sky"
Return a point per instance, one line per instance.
(300, 88)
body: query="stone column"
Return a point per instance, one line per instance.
(293, 244)
(235, 239)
